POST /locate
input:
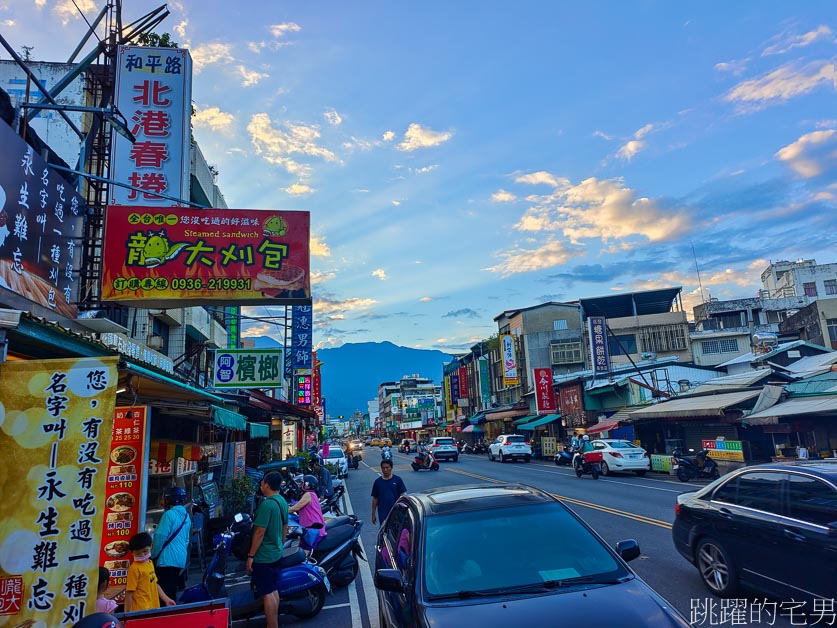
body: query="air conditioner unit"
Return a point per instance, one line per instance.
(154, 341)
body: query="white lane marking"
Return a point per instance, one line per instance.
(365, 570)
(344, 605)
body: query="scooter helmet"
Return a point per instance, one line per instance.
(174, 496)
(98, 620)
(585, 437)
(311, 483)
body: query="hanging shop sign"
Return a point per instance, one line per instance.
(248, 368)
(485, 383)
(597, 331)
(40, 228)
(57, 423)
(131, 348)
(178, 257)
(544, 391)
(289, 446)
(510, 377)
(724, 449)
(127, 465)
(301, 350)
(154, 94)
(303, 388)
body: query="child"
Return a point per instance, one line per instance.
(142, 591)
(104, 605)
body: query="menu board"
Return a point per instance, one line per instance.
(123, 492)
(55, 420)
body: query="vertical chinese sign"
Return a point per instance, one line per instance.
(301, 351)
(124, 503)
(597, 331)
(510, 377)
(154, 93)
(463, 383)
(41, 223)
(55, 430)
(485, 383)
(544, 392)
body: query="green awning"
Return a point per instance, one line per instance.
(259, 430)
(228, 418)
(530, 427)
(524, 420)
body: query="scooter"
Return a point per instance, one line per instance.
(302, 584)
(427, 463)
(332, 504)
(699, 466)
(386, 454)
(564, 457)
(480, 448)
(589, 462)
(337, 552)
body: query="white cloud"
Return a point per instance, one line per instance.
(250, 77)
(319, 247)
(519, 260)
(180, 28)
(299, 189)
(380, 273)
(212, 118)
(208, 54)
(331, 342)
(280, 30)
(782, 84)
(736, 67)
(502, 196)
(7, 23)
(396, 203)
(630, 148)
(276, 145)
(603, 135)
(333, 307)
(426, 169)
(542, 177)
(354, 143)
(788, 43)
(426, 299)
(66, 10)
(318, 277)
(333, 118)
(417, 137)
(811, 154)
(388, 136)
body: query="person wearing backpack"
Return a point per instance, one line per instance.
(170, 550)
(270, 529)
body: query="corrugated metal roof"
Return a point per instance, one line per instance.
(707, 405)
(821, 404)
(739, 380)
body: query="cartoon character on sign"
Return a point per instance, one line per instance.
(157, 249)
(275, 226)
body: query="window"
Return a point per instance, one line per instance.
(723, 345)
(810, 289)
(559, 324)
(626, 344)
(757, 490)
(832, 328)
(831, 286)
(566, 353)
(812, 500)
(662, 338)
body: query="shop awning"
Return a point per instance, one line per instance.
(526, 419)
(166, 451)
(259, 430)
(530, 427)
(821, 404)
(477, 418)
(228, 418)
(476, 429)
(686, 407)
(603, 426)
(506, 414)
(147, 384)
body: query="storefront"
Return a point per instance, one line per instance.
(805, 422)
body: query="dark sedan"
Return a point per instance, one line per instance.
(506, 555)
(769, 528)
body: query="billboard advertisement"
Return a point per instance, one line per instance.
(177, 257)
(510, 377)
(597, 330)
(544, 391)
(57, 422)
(154, 94)
(248, 368)
(40, 228)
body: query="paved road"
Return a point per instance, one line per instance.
(617, 507)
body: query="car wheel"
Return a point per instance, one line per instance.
(715, 567)
(490, 456)
(683, 475)
(502, 457)
(640, 473)
(605, 468)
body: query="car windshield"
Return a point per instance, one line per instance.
(622, 444)
(335, 453)
(515, 439)
(470, 551)
(444, 441)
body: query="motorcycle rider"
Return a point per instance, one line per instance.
(584, 446)
(425, 455)
(310, 512)
(326, 486)
(386, 452)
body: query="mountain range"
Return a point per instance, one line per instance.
(352, 372)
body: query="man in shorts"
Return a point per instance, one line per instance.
(270, 529)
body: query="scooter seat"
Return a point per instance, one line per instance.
(335, 537)
(337, 521)
(293, 556)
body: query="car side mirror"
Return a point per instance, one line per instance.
(389, 580)
(628, 549)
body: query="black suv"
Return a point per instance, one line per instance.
(770, 528)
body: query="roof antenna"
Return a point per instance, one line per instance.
(700, 285)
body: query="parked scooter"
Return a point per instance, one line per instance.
(337, 552)
(332, 504)
(302, 584)
(481, 448)
(589, 462)
(564, 457)
(428, 461)
(698, 466)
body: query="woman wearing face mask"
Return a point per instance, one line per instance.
(310, 512)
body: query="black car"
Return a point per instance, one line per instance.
(487, 555)
(770, 528)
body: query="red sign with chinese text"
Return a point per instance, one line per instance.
(11, 595)
(176, 257)
(544, 392)
(126, 472)
(463, 382)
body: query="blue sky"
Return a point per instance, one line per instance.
(464, 158)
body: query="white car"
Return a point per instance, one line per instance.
(337, 458)
(444, 448)
(356, 445)
(622, 455)
(510, 447)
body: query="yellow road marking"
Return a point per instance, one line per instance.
(578, 502)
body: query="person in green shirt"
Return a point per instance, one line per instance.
(270, 529)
